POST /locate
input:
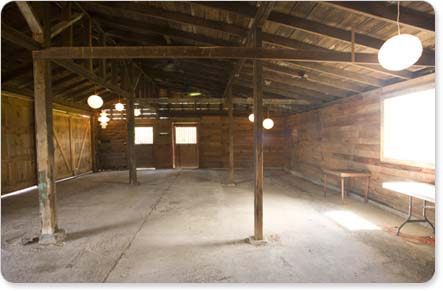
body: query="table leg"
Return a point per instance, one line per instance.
(342, 189)
(409, 216)
(367, 189)
(324, 185)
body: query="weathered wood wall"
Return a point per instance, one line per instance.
(213, 142)
(72, 142)
(347, 135)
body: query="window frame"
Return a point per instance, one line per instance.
(153, 135)
(397, 93)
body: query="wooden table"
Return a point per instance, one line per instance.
(423, 191)
(343, 174)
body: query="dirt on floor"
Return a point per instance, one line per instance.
(187, 226)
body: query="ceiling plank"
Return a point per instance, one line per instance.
(381, 11)
(139, 12)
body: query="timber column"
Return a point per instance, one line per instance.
(49, 232)
(258, 140)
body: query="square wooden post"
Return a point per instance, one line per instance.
(49, 232)
(258, 141)
(131, 126)
(231, 137)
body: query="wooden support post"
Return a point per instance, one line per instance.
(49, 232)
(94, 138)
(131, 127)
(258, 140)
(231, 137)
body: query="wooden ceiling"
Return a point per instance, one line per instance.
(295, 86)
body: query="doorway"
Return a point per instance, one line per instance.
(144, 146)
(185, 150)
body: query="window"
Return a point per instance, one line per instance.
(185, 135)
(408, 129)
(144, 135)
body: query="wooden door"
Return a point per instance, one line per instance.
(144, 145)
(185, 146)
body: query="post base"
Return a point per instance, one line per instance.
(251, 240)
(57, 238)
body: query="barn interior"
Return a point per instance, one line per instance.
(216, 142)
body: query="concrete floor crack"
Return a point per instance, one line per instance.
(145, 219)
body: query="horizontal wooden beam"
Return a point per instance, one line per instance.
(244, 101)
(379, 10)
(192, 52)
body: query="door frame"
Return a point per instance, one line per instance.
(185, 124)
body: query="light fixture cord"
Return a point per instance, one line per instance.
(398, 16)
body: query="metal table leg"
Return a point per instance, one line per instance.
(409, 220)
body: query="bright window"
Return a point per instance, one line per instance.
(144, 135)
(186, 135)
(409, 128)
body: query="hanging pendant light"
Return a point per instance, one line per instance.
(103, 117)
(95, 101)
(400, 51)
(119, 106)
(103, 125)
(268, 123)
(137, 112)
(251, 117)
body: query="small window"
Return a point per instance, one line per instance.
(144, 135)
(409, 129)
(186, 135)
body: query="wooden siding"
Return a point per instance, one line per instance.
(72, 143)
(347, 135)
(213, 143)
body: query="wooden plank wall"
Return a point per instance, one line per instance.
(72, 142)
(347, 135)
(213, 139)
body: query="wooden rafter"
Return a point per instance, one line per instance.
(31, 19)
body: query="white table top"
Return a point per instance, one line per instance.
(415, 189)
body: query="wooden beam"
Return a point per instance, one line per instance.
(381, 11)
(258, 141)
(31, 19)
(18, 38)
(238, 101)
(68, 32)
(65, 24)
(192, 52)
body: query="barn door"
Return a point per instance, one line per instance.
(185, 146)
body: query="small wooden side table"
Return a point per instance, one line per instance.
(344, 173)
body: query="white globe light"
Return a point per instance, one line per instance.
(103, 117)
(95, 101)
(137, 112)
(268, 123)
(103, 125)
(251, 117)
(119, 106)
(400, 52)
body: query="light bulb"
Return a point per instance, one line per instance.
(137, 112)
(400, 52)
(251, 117)
(95, 101)
(268, 123)
(103, 117)
(103, 125)
(119, 106)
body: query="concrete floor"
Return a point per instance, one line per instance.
(185, 226)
